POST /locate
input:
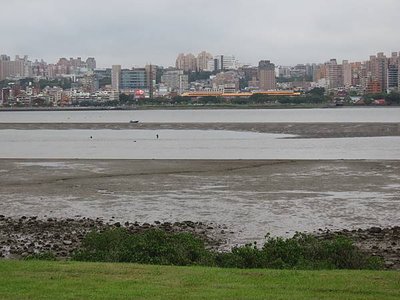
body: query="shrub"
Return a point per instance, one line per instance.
(247, 256)
(149, 247)
(302, 251)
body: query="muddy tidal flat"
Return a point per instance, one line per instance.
(248, 197)
(300, 130)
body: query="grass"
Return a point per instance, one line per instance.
(77, 280)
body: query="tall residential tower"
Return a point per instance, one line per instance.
(266, 75)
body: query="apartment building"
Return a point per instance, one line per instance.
(266, 75)
(186, 62)
(176, 81)
(202, 60)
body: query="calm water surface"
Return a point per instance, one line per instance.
(370, 114)
(187, 144)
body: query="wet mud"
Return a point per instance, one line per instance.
(251, 197)
(300, 130)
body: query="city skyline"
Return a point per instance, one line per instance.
(133, 34)
(99, 65)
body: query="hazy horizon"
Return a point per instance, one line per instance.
(133, 33)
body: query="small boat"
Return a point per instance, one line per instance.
(133, 121)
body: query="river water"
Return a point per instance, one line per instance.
(300, 195)
(194, 144)
(343, 114)
(188, 144)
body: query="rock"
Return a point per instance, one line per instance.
(389, 264)
(67, 242)
(191, 225)
(375, 230)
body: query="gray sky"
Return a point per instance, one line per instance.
(134, 32)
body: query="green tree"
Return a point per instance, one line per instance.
(319, 91)
(393, 98)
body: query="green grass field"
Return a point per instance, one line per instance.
(76, 280)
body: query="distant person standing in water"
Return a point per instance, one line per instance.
(157, 136)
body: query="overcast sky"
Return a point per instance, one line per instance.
(135, 32)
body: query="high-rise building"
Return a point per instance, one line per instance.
(392, 78)
(250, 75)
(393, 73)
(334, 74)
(175, 80)
(91, 63)
(134, 79)
(202, 60)
(347, 74)
(180, 61)
(319, 72)
(21, 67)
(377, 70)
(3, 58)
(102, 73)
(225, 62)
(357, 74)
(39, 68)
(116, 77)
(151, 78)
(186, 62)
(266, 75)
(299, 71)
(284, 71)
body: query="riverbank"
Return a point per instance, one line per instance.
(193, 107)
(300, 130)
(169, 107)
(25, 236)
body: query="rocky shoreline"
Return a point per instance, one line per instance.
(24, 236)
(376, 241)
